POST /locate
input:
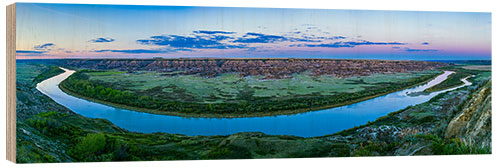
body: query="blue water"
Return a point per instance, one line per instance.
(314, 123)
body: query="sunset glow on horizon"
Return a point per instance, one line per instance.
(52, 31)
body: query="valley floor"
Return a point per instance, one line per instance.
(232, 96)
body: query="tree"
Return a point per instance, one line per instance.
(89, 147)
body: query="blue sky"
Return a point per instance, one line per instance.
(121, 31)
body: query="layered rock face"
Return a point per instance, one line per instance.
(269, 68)
(473, 124)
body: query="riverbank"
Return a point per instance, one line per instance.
(239, 115)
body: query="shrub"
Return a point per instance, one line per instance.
(89, 147)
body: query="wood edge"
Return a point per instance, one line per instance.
(11, 82)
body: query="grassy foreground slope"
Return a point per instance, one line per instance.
(48, 132)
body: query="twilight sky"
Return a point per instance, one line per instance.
(120, 31)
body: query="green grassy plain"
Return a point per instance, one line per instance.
(34, 73)
(230, 95)
(227, 87)
(478, 67)
(26, 72)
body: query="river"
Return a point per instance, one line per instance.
(308, 124)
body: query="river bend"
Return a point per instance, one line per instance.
(308, 124)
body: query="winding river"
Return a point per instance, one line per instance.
(308, 124)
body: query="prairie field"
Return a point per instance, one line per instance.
(478, 67)
(26, 72)
(228, 87)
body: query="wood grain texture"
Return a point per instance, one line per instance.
(11, 82)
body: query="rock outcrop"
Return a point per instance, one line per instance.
(472, 124)
(269, 68)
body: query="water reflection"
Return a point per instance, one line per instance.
(315, 123)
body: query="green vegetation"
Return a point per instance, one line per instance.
(49, 124)
(454, 79)
(456, 147)
(52, 71)
(26, 72)
(370, 148)
(93, 144)
(226, 87)
(106, 73)
(33, 73)
(48, 132)
(452, 146)
(232, 96)
(90, 146)
(478, 67)
(481, 76)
